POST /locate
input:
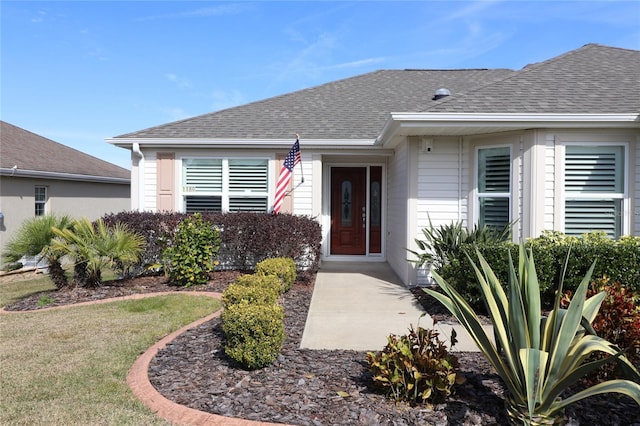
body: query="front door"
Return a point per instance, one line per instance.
(348, 210)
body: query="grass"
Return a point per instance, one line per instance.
(69, 366)
(12, 291)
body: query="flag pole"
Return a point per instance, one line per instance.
(301, 171)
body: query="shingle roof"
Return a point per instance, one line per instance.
(353, 108)
(36, 153)
(593, 79)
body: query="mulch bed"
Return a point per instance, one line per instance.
(301, 387)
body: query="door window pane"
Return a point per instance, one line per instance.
(346, 203)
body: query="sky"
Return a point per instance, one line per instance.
(78, 72)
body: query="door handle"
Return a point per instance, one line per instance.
(364, 217)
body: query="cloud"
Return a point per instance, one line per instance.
(472, 10)
(40, 17)
(181, 82)
(355, 64)
(204, 12)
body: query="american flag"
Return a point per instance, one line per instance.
(293, 158)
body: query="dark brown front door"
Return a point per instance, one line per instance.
(348, 210)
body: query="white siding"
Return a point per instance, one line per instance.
(303, 192)
(397, 202)
(439, 185)
(150, 181)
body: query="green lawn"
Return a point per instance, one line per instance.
(69, 366)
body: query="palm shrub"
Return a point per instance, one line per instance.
(541, 355)
(190, 259)
(95, 247)
(34, 238)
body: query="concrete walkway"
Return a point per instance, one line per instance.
(357, 305)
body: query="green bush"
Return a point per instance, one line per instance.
(617, 259)
(245, 238)
(252, 294)
(254, 333)
(190, 258)
(268, 283)
(281, 267)
(415, 367)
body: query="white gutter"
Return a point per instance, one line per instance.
(37, 174)
(135, 148)
(242, 143)
(398, 120)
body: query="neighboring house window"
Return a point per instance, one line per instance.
(494, 187)
(214, 184)
(40, 200)
(593, 189)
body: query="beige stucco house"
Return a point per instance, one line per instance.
(40, 176)
(555, 146)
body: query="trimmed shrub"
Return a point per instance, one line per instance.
(281, 267)
(415, 367)
(267, 283)
(191, 257)
(245, 238)
(252, 294)
(254, 333)
(618, 259)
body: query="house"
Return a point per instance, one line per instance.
(553, 146)
(39, 176)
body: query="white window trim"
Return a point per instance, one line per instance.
(44, 203)
(513, 184)
(559, 187)
(225, 193)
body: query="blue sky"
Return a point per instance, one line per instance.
(81, 71)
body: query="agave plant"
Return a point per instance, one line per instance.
(540, 356)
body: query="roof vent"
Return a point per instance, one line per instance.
(441, 93)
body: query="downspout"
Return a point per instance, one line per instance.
(460, 179)
(136, 150)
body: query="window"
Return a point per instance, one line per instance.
(593, 189)
(40, 200)
(225, 184)
(494, 187)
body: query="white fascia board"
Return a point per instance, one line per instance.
(398, 120)
(241, 143)
(36, 174)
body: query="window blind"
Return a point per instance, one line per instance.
(202, 175)
(594, 188)
(248, 176)
(494, 186)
